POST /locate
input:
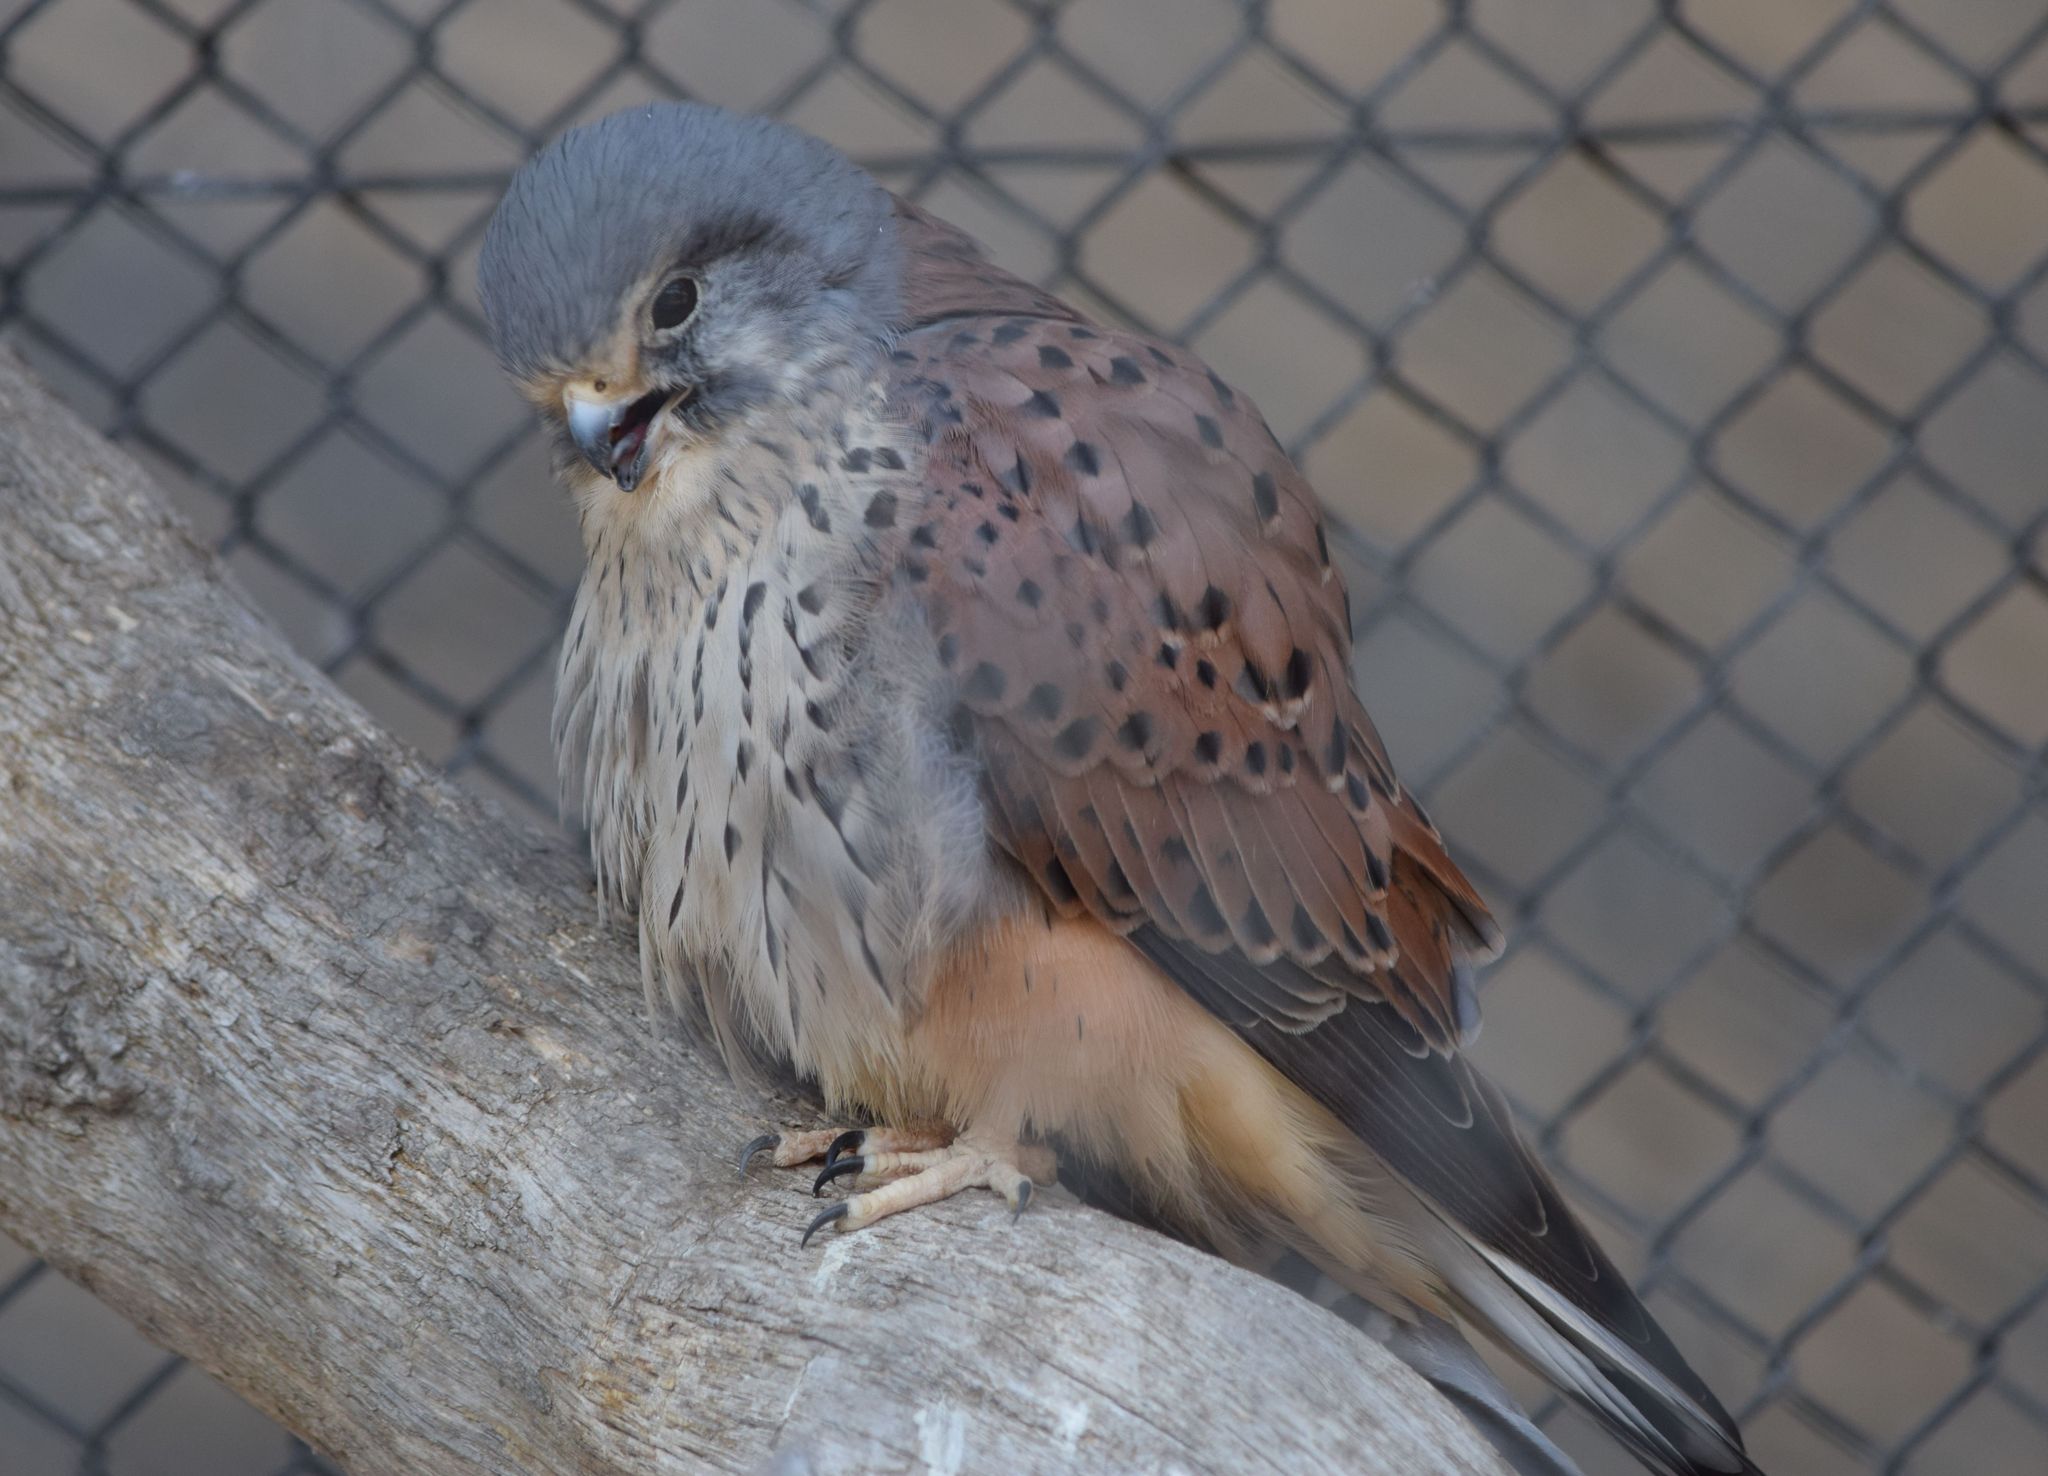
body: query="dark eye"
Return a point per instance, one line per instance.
(675, 302)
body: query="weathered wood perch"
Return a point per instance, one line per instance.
(324, 1074)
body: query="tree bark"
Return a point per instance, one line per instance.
(325, 1074)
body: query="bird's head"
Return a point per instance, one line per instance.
(651, 278)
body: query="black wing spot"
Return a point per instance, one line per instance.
(882, 510)
(1209, 747)
(1265, 497)
(1044, 702)
(1375, 871)
(1140, 527)
(1335, 748)
(1136, 732)
(1203, 912)
(1295, 679)
(1043, 402)
(986, 683)
(1076, 740)
(1052, 356)
(1257, 929)
(1082, 458)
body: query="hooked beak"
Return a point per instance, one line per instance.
(613, 434)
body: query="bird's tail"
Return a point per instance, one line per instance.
(1671, 1430)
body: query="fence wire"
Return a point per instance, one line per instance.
(1679, 375)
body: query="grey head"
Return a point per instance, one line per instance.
(653, 276)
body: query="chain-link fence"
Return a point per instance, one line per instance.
(1680, 373)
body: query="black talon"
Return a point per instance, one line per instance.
(1023, 1202)
(760, 1145)
(824, 1217)
(853, 1165)
(847, 1142)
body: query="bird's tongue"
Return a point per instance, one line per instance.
(627, 440)
(630, 434)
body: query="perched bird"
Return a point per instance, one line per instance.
(959, 692)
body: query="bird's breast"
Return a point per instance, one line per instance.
(757, 786)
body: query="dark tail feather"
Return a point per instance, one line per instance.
(1668, 1430)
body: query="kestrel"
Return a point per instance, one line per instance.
(959, 692)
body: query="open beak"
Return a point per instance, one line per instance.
(613, 434)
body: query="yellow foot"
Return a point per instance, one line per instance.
(833, 1145)
(927, 1176)
(911, 1166)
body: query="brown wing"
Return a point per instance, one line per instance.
(1130, 586)
(1130, 581)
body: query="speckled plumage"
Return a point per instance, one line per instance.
(745, 720)
(960, 698)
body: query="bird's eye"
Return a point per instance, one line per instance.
(674, 303)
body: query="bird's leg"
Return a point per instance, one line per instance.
(916, 1177)
(834, 1144)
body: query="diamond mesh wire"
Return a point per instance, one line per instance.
(1677, 371)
